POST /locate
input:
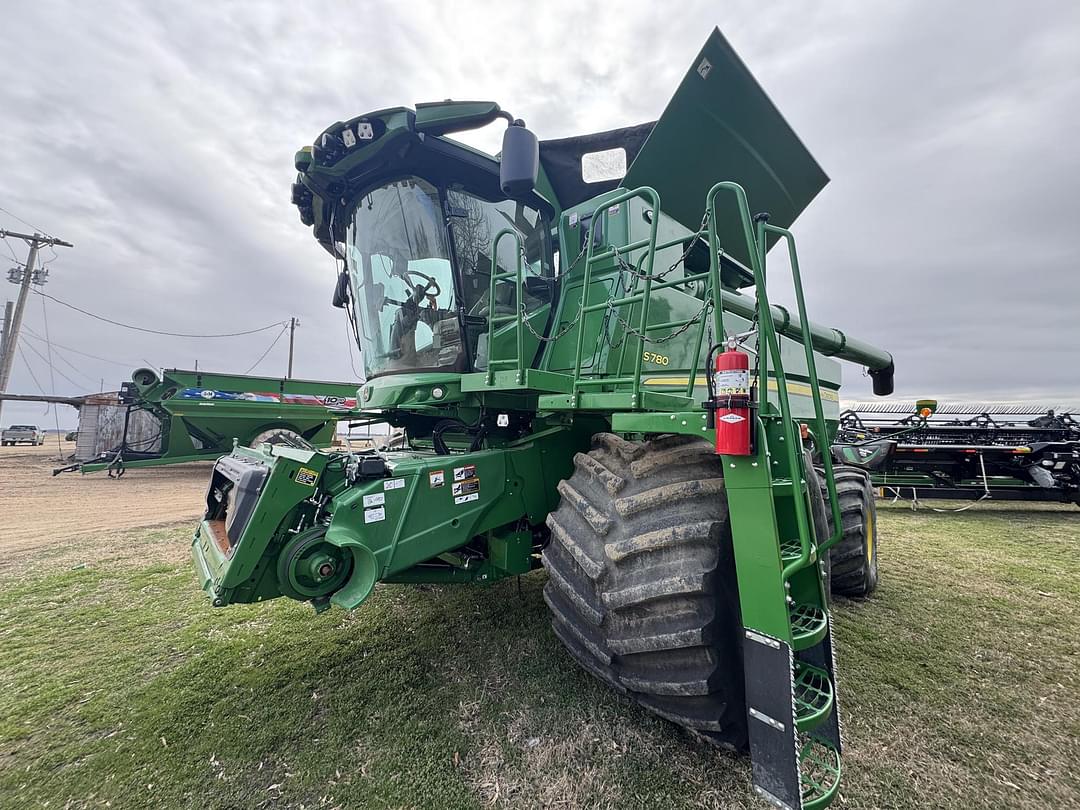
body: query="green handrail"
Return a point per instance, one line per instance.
(755, 244)
(650, 195)
(493, 321)
(819, 412)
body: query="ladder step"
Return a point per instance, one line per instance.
(790, 550)
(783, 486)
(809, 624)
(819, 774)
(813, 691)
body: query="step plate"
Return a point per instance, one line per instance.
(819, 773)
(809, 625)
(813, 695)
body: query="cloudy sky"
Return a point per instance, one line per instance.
(158, 138)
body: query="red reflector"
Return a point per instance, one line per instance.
(922, 450)
(971, 451)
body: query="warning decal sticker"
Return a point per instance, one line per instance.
(437, 478)
(461, 473)
(732, 382)
(466, 487)
(306, 477)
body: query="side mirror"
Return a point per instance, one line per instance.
(520, 161)
(341, 291)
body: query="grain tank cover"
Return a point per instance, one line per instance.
(720, 125)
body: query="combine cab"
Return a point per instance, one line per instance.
(577, 344)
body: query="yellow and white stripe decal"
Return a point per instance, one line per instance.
(700, 382)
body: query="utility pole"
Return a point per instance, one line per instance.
(23, 278)
(292, 335)
(9, 309)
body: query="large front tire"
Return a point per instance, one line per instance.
(642, 585)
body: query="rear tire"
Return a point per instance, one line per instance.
(854, 558)
(642, 585)
(819, 512)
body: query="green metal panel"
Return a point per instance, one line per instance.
(440, 117)
(427, 507)
(720, 125)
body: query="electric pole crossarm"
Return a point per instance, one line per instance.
(40, 238)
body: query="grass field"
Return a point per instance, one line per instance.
(121, 688)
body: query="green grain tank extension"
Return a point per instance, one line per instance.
(540, 325)
(183, 416)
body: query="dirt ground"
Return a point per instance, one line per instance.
(37, 509)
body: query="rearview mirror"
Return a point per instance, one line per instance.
(520, 161)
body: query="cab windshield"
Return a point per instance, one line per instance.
(404, 290)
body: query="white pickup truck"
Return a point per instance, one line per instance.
(22, 434)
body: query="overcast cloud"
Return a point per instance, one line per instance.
(159, 137)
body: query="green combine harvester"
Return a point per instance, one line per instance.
(544, 327)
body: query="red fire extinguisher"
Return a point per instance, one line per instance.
(730, 396)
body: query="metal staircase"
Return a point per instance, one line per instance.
(789, 668)
(788, 660)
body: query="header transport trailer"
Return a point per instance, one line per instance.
(183, 416)
(561, 418)
(965, 450)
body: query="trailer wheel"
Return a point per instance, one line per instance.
(642, 586)
(278, 436)
(854, 558)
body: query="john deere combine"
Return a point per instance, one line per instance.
(544, 327)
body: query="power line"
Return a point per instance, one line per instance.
(46, 361)
(34, 336)
(32, 377)
(16, 259)
(24, 222)
(158, 331)
(263, 355)
(52, 376)
(72, 366)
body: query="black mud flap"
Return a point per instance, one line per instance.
(768, 666)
